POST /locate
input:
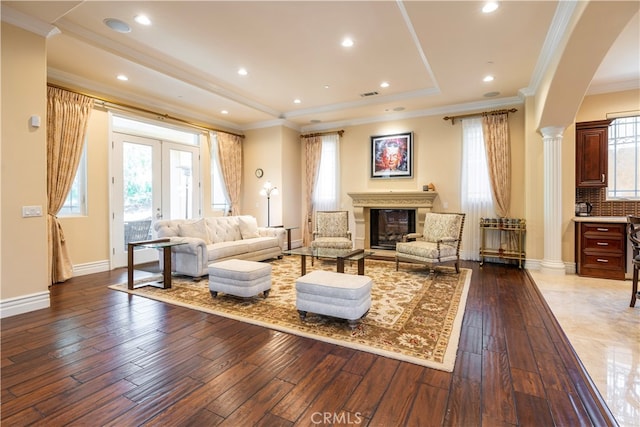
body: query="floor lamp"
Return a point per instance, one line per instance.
(268, 190)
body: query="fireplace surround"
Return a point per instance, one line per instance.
(388, 226)
(363, 202)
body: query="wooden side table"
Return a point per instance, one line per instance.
(288, 234)
(165, 245)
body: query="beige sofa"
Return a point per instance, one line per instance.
(214, 239)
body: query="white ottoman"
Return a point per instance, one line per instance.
(240, 278)
(345, 296)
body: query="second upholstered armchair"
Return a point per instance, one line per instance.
(439, 241)
(332, 230)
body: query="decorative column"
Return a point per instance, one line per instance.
(552, 140)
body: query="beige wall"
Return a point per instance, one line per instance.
(262, 149)
(437, 146)
(24, 260)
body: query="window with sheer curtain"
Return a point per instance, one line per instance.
(219, 196)
(477, 201)
(326, 196)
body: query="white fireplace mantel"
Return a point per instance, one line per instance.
(422, 201)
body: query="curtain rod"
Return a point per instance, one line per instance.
(310, 135)
(143, 110)
(462, 116)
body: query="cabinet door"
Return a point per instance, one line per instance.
(592, 139)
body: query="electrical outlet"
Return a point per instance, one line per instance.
(445, 205)
(31, 211)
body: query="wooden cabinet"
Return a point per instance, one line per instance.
(592, 153)
(601, 249)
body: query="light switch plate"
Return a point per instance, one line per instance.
(31, 211)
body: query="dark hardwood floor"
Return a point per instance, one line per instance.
(102, 357)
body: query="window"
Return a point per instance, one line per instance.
(76, 202)
(624, 159)
(219, 198)
(476, 199)
(326, 196)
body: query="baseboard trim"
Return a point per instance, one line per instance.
(24, 304)
(91, 267)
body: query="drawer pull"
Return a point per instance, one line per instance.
(603, 229)
(602, 260)
(602, 244)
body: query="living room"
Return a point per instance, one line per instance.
(278, 151)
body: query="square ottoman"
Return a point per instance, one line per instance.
(345, 296)
(240, 278)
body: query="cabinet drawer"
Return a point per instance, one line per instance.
(610, 229)
(602, 260)
(604, 266)
(605, 243)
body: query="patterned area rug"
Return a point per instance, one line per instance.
(414, 316)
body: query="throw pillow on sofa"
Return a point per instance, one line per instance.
(248, 227)
(194, 229)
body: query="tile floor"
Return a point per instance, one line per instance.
(605, 333)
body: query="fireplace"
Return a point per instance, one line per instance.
(389, 225)
(420, 202)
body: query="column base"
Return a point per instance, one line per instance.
(552, 267)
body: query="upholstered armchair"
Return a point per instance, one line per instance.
(438, 243)
(332, 230)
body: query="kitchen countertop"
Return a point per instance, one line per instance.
(618, 219)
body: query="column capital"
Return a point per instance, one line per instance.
(552, 131)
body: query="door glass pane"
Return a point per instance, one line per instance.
(181, 185)
(137, 164)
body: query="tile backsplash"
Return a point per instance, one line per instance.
(603, 207)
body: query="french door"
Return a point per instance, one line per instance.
(152, 180)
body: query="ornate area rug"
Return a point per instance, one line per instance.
(414, 316)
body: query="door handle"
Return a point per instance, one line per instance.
(158, 214)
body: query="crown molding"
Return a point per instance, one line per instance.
(553, 42)
(28, 23)
(599, 88)
(272, 123)
(73, 81)
(362, 102)
(446, 110)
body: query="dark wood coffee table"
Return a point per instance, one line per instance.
(340, 255)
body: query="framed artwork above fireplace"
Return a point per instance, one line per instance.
(392, 156)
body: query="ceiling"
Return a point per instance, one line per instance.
(433, 54)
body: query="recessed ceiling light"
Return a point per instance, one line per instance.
(117, 25)
(243, 71)
(398, 109)
(296, 101)
(491, 94)
(142, 20)
(326, 86)
(122, 77)
(488, 79)
(224, 112)
(315, 121)
(490, 6)
(347, 42)
(384, 84)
